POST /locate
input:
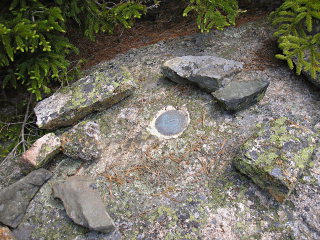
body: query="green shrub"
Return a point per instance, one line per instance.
(297, 36)
(33, 45)
(213, 13)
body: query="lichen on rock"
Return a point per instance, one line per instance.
(276, 156)
(95, 92)
(82, 141)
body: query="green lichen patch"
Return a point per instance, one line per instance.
(275, 157)
(95, 92)
(82, 141)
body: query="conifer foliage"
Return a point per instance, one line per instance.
(33, 45)
(213, 13)
(298, 34)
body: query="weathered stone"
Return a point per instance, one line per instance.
(42, 151)
(207, 72)
(275, 157)
(83, 203)
(6, 234)
(15, 199)
(82, 141)
(95, 92)
(239, 95)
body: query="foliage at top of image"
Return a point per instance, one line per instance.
(298, 34)
(33, 45)
(213, 13)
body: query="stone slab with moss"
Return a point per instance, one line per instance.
(276, 156)
(83, 141)
(97, 91)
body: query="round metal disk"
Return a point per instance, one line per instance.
(171, 122)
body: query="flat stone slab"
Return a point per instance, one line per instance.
(208, 72)
(83, 203)
(15, 199)
(276, 156)
(82, 141)
(239, 95)
(95, 92)
(42, 151)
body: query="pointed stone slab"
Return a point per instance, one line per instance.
(276, 156)
(239, 95)
(83, 203)
(207, 72)
(42, 151)
(15, 199)
(96, 92)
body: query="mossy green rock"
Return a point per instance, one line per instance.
(83, 141)
(275, 157)
(95, 92)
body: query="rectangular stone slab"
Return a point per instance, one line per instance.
(276, 156)
(239, 95)
(95, 92)
(207, 72)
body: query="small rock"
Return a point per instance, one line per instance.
(276, 156)
(207, 72)
(95, 92)
(239, 95)
(15, 199)
(82, 141)
(42, 151)
(6, 234)
(83, 203)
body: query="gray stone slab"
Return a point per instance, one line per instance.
(95, 92)
(239, 95)
(207, 72)
(15, 199)
(83, 203)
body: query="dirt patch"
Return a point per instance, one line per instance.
(164, 24)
